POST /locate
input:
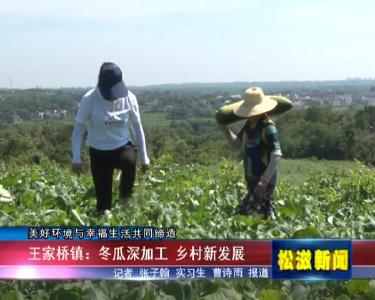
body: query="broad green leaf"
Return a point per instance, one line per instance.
(309, 232)
(175, 289)
(300, 292)
(166, 297)
(356, 286)
(223, 293)
(63, 294)
(12, 295)
(343, 297)
(270, 294)
(77, 217)
(372, 284)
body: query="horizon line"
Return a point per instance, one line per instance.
(39, 87)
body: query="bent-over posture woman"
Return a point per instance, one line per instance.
(107, 111)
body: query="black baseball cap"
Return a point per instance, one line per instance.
(110, 84)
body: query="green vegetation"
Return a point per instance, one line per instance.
(195, 181)
(314, 132)
(151, 119)
(297, 171)
(199, 204)
(328, 134)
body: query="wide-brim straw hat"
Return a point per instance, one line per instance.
(254, 104)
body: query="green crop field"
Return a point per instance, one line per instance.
(299, 170)
(154, 119)
(329, 200)
(150, 119)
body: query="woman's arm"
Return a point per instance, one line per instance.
(81, 120)
(138, 130)
(77, 134)
(231, 137)
(272, 166)
(273, 146)
(140, 136)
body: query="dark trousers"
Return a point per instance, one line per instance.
(103, 163)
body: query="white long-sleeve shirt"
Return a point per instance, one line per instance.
(108, 124)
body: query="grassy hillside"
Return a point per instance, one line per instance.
(299, 170)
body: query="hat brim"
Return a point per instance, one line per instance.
(116, 91)
(245, 110)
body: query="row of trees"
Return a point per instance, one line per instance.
(180, 101)
(328, 134)
(315, 132)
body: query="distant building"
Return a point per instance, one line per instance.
(348, 99)
(168, 108)
(53, 115)
(154, 102)
(235, 97)
(329, 99)
(306, 98)
(16, 119)
(294, 97)
(340, 100)
(298, 103)
(337, 102)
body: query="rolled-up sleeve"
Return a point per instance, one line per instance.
(138, 129)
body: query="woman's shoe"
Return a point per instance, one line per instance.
(107, 213)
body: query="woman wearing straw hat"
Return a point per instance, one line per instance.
(261, 151)
(108, 110)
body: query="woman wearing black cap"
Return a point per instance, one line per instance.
(107, 111)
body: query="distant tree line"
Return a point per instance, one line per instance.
(328, 134)
(314, 132)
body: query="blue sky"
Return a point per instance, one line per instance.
(50, 43)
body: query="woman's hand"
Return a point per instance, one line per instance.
(230, 136)
(260, 188)
(77, 168)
